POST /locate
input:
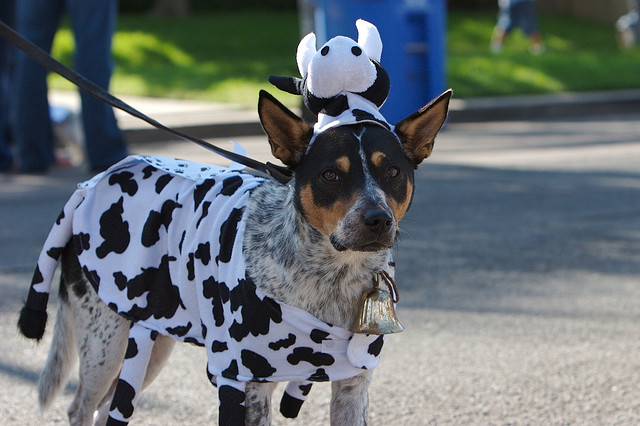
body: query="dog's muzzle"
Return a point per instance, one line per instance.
(373, 229)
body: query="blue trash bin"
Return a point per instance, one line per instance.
(413, 36)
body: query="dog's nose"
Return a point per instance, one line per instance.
(377, 220)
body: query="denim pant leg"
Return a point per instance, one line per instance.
(94, 24)
(6, 71)
(37, 20)
(6, 156)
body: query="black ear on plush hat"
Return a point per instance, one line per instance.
(291, 85)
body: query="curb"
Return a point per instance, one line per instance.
(533, 107)
(512, 108)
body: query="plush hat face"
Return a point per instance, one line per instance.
(340, 65)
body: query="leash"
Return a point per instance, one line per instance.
(280, 174)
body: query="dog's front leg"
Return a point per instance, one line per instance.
(350, 400)
(258, 403)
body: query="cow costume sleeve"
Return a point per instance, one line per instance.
(184, 222)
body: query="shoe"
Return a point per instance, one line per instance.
(537, 49)
(62, 159)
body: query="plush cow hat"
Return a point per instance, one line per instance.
(343, 82)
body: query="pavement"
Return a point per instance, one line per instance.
(518, 268)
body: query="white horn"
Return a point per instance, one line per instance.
(306, 50)
(369, 39)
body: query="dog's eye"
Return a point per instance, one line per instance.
(392, 171)
(330, 175)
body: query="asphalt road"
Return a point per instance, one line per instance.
(518, 267)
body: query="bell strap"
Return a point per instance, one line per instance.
(280, 174)
(391, 284)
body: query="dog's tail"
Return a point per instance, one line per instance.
(62, 354)
(33, 316)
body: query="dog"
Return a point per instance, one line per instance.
(311, 247)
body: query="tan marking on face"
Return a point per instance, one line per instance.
(344, 164)
(400, 209)
(377, 158)
(325, 220)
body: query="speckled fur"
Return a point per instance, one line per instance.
(298, 265)
(100, 336)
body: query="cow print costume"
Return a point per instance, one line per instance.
(183, 223)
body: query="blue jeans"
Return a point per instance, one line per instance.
(93, 23)
(6, 52)
(521, 14)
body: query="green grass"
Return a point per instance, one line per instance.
(227, 57)
(579, 56)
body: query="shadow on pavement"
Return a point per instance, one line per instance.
(484, 239)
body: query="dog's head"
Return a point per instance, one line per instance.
(353, 183)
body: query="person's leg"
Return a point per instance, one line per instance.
(37, 20)
(501, 30)
(94, 24)
(635, 24)
(528, 21)
(6, 156)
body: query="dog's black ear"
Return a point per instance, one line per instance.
(418, 131)
(288, 134)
